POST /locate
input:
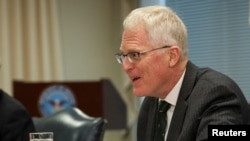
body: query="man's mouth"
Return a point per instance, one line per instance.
(136, 78)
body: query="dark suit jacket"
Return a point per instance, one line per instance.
(206, 97)
(15, 122)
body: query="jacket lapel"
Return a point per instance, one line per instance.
(181, 105)
(146, 120)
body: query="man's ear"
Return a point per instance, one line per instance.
(175, 55)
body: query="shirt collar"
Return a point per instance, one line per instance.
(174, 93)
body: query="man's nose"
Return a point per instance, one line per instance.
(126, 64)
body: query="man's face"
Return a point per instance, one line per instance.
(150, 74)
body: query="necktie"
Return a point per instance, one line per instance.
(161, 122)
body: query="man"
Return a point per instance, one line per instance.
(154, 55)
(15, 122)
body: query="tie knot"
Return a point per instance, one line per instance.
(164, 106)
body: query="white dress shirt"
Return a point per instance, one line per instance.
(172, 99)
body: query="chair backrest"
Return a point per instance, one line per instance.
(72, 124)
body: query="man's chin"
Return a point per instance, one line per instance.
(139, 94)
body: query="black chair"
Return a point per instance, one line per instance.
(72, 124)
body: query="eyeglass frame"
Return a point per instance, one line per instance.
(135, 55)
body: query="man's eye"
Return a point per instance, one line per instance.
(135, 55)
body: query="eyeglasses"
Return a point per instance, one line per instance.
(134, 56)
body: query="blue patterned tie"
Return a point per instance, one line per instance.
(161, 122)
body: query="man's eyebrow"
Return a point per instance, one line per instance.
(131, 50)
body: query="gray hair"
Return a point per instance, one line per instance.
(163, 25)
